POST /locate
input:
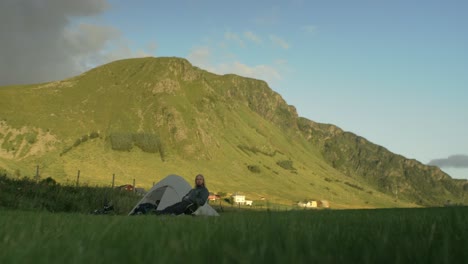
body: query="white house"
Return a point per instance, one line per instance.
(308, 204)
(238, 199)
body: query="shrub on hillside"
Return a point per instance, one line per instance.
(121, 141)
(8, 143)
(147, 142)
(256, 150)
(65, 150)
(354, 186)
(93, 134)
(254, 168)
(31, 137)
(286, 164)
(77, 142)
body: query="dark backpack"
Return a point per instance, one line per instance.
(145, 208)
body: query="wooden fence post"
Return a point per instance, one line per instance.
(220, 205)
(37, 173)
(78, 179)
(113, 180)
(134, 190)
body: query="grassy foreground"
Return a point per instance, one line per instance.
(46, 195)
(427, 235)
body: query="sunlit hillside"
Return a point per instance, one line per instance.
(142, 119)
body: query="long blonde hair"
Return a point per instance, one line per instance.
(203, 177)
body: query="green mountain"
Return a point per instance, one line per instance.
(142, 119)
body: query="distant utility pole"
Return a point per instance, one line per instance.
(78, 178)
(395, 188)
(37, 177)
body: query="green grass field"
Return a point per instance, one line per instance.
(45, 222)
(424, 235)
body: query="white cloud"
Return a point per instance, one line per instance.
(281, 62)
(252, 37)
(202, 57)
(309, 29)
(279, 41)
(235, 38)
(261, 72)
(95, 45)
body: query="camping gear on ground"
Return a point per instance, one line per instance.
(167, 192)
(107, 209)
(145, 208)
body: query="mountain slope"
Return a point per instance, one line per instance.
(358, 158)
(145, 118)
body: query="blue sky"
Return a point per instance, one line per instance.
(394, 72)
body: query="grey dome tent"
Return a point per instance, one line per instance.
(169, 191)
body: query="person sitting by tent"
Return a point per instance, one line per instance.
(191, 201)
(169, 193)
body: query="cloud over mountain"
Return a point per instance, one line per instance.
(203, 57)
(454, 161)
(43, 41)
